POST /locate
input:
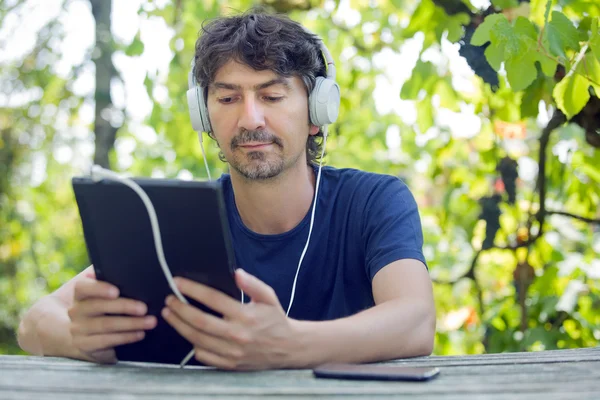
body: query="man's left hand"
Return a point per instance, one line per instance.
(251, 336)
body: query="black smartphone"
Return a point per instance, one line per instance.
(375, 372)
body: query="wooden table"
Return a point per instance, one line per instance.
(560, 374)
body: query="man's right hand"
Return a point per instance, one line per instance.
(101, 320)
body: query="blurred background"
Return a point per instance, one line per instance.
(86, 81)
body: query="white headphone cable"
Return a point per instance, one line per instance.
(312, 217)
(99, 172)
(204, 156)
(312, 220)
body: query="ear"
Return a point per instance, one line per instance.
(313, 130)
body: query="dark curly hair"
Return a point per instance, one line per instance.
(263, 41)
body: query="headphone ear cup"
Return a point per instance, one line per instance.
(324, 102)
(206, 127)
(197, 109)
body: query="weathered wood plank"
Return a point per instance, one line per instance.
(548, 375)
(552, 378)
(100, 396)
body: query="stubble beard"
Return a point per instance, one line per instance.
(258, 165)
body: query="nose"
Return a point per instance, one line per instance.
(252, 115)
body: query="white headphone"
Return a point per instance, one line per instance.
(323, 100)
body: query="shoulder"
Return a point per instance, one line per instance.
(369, 185)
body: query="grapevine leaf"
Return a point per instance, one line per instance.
(424, 114)
(505, 4)
(532, 96)
(482, 34)
(423, 77)
(589, 67)
(571, 94)
(495, 56)
(547, 13)
(561, 35)
(448, 97)
(520, 73)
(548, 65)
(136, 47)
(595, 38)
(519, 43)
(538, 11)
(454, 26)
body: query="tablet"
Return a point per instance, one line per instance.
(196, 241)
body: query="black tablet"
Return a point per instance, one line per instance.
(195, 238)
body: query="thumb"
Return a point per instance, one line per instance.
(256, 289)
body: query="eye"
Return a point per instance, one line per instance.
(273, 99)
(226, 100)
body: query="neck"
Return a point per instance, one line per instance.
(275, 205)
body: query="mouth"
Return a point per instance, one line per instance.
(255, 145)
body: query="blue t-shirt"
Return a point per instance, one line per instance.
(363, 222)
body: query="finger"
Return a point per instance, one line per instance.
(89, 272)
(105, 325)
(199, 319)
(217, 345)
(212, 298)
(215, 360)
(256, 289)
(104, 356)
(87, 287)
(95, 307)
(89, 344)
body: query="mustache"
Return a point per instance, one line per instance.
(247, 136)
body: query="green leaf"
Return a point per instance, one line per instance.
(505, 35)
(519, 43)
(454, 26)
(149, 84)
(548, 65)
(495, 56)
(520, 73)
(561, 35)
(424, 114)
(482, 33)
(505, 4)
(595, 38)
(590, 68)
(423, 77)
(571, 94)
(591, 171)
(421, 17)
(537, 91)
(448, 96)
(136, 47)
(547, 13)
(538, 11)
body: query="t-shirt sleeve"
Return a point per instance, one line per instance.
(392, 225)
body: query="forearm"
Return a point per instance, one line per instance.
(44, 330)
(394, 329)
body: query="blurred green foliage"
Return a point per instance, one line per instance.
(524, 291)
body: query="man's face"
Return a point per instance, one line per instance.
(259, 119)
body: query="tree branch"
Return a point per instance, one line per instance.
(470, 273)
(105, 133)
(558, 118)
(579, 217)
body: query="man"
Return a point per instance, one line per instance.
(363, 292)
